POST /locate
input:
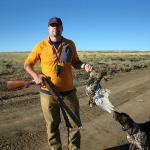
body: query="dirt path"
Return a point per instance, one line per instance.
(22, 126)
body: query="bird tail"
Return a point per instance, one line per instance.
(101, 99)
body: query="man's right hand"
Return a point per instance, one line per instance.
(38, 79)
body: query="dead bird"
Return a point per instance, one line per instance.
(93, 84)
(96, 93)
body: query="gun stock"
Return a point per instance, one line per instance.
(16, 84)
(59, 98)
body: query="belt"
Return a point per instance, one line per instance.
(65, 93)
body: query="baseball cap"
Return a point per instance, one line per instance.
(55, 20)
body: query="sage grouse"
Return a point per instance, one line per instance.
(97, 94)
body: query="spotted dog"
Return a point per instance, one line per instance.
(138, 134)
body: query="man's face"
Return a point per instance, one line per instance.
(55, 29)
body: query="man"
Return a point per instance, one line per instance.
(57, 55)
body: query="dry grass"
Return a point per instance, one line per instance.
(112, 62)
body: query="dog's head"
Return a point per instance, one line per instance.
(125, 120)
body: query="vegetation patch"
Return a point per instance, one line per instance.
(109, 62)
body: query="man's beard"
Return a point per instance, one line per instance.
(56, 33)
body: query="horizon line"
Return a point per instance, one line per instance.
(21, 51)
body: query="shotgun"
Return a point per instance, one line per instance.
(65, 109)
(16, 84)
(19, 84)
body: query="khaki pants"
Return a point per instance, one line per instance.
(51, 112)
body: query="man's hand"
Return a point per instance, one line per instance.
(87, 67)
(38, 79)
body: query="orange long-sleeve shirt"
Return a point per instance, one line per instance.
(49, 58)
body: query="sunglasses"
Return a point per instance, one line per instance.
(54, 25)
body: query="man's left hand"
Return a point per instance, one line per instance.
(87, 67)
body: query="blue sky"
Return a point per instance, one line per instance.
(91, 24)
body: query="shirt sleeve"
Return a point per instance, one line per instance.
(33, 57)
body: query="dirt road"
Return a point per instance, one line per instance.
(22, 126)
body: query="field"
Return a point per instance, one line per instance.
(22, 126)
(110, 62)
